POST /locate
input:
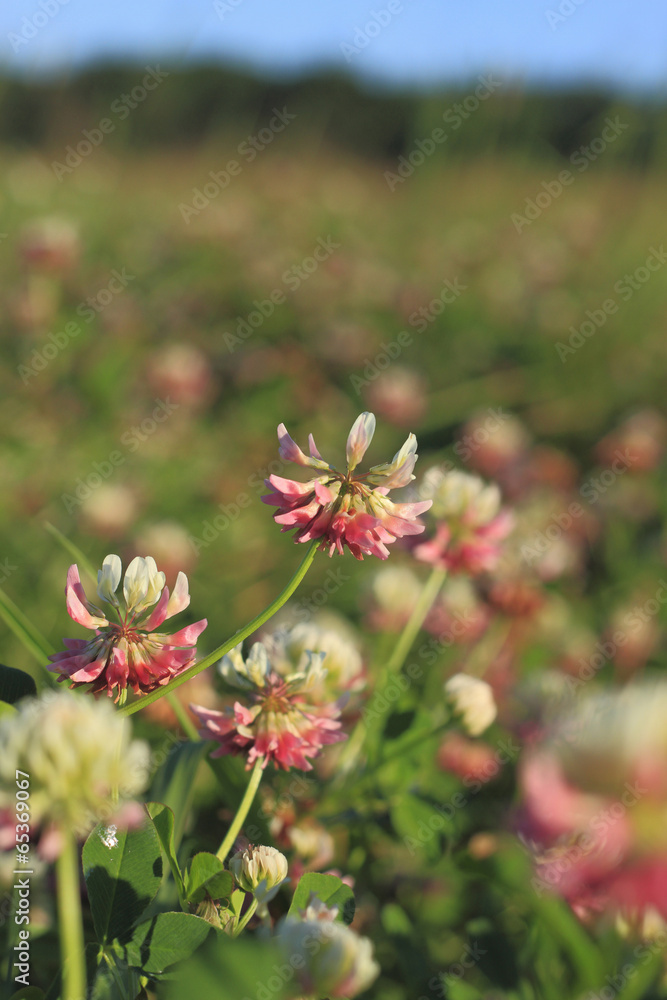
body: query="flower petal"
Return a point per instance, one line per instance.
(108, 578)
(136, 582)
(77, 602)
(398, 472)
(290, 451)
(359, 439)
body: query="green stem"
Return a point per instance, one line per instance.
(116, 976)
(371, 729)
(82, 560)
(243, 810)
(70, 920)
(416, 620)
(246, 918)
(252, 626)
(181, 713)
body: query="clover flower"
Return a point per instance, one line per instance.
(284, 724)
(128, 651)
(595, 800)
(288, 650)
(469, 523)
(346, 509)
(471, 699)
(75, 751)
(336, 962)
(259, 870)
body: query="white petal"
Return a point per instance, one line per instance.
(359, 439)
(180, 598)
(398, 472)
(136, 582)
(108, 578)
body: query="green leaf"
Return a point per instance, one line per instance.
(419, 825)
(122, 877)
(15, 684)
(164, 940)
(28, 993)
(330, 889)
(228, 969)
(236, 901)
(173, 783)
(23, 629)
(109, 978)
(162, 818)
(206, 876)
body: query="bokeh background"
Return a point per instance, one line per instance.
(217, 217)
(366, 86)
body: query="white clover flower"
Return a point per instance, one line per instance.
(457, 494)
(473, 700)
(75, 751)
(337, 962)
(329, 637)
(396, 589)
(259, 870)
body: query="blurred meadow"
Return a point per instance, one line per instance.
(163, 311)
(176, 328)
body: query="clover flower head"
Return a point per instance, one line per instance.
(75, 751)
(342, 666)
(282, 722)
(127, 651)
(472, 699)
(336, 961)
(595, 798)
(470, 525)
(347, 509)
(260, 870)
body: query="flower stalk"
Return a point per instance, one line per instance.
(243, 810)
(70, 919)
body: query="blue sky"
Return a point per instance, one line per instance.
(418, 42)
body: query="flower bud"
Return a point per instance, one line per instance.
(473, 700)
(259, 870)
